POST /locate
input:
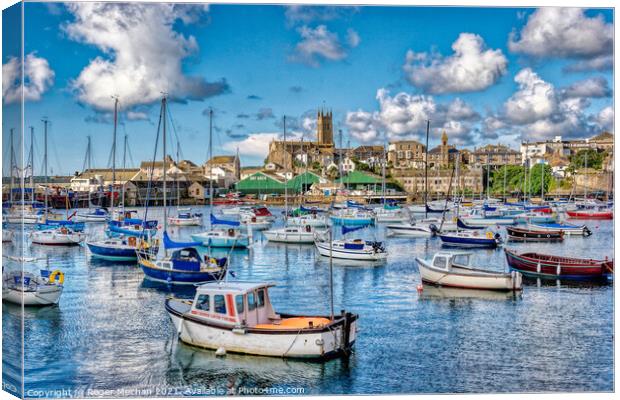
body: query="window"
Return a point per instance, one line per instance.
(219, 304)
(251, 301)
(261, 298)
(203, 302)
(439, 262)
(239, 301)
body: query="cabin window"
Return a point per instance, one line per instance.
(203, 302)
(251, 301)
(239, 301)
(439, 262)
(461, 259)
(261, 298)
(219, 304)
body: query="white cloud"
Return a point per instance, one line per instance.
(353, 38)
(363, 126)
(142, 53)
(534, 100)
(471, 68)
(563, 32)
(318, 44)
(600, 63)
(606, 118)
(255, 145)
(136, 115)
(590, 88)
(38, 78)
(306, 14)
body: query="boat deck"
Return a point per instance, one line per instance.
(296, 323)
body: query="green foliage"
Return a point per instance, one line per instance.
(515, 177)
(536, 177)
(594, 159)
(316, 166)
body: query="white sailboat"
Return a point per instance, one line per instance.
(21, 287)
(350, 249)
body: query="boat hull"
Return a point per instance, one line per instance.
(571, 230)
(44, 296)
(467, 242)
(488, 221)
(124, 253)
(602, 215)
(177, 277)
(470, 280)
(324, 250)
(57, 239)
(529, 235)
(557, 267)
(224, 242)
(317, 344)
(352, 221)
(289, 237)
(409, 230)
(194, 221)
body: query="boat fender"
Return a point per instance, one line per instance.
(57, 275)
(489, 235)
(319, 342)
(558, 270)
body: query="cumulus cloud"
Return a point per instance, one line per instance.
(471, 68)
(563, 32)
(316, 45)
(404, 116)
(605, 118)
(305, 14)
(594, 87)
(534, 100)
(601, 63)
(38, 78)
(142, 53)
(254, 145)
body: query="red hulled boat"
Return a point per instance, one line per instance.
(558, 267)
(590, 214)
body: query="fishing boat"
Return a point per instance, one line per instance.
(412, 229)
(567, 229)
(351, 249)
(121, 248)
(238, 317)
(21, 287)
(61, 236)
(559, 267)
(185, 217)
(291, 234)
(99, 214)
(470, 239)
(591, 214)
(454, 269)
(222, 237)
(533, 235)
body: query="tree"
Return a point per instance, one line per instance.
(514, 179)
(536, 177)
(594, 159)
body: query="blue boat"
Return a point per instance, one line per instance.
(132, 227)
(51, 224)
(470, 239)
(222, 237)
(119, 249)
(462, 225)
(184, 266)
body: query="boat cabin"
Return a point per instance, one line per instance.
(235, 303)
(189, 259)
(444, 260)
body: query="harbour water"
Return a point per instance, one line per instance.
(110, 335)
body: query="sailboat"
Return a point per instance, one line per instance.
(22, 287)
(350, 249)
(61, 234)
(219, 237)
(185, 264)
(120, 246)
(184, 216)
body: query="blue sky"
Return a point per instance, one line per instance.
(382, 70)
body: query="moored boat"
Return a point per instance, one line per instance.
(454, 269)
(185, 217)
(412, 229)
(61, 236)
(21, 287)
(352, 249)
(238, 317)
(533, 235)
(470, 239)
(591, 214)
(99, 214)
(558, 267)
(568, 229)
(121, 248)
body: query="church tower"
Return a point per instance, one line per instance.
(445, 155)
(325, 130)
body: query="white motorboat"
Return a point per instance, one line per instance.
(383, 214)
(238, 317)
(352, 249)
(291, 234)
(417, 208)
(454, 269)
(96, 215)
(568, 229)
(314, 220)
(32, 290)
(233, 210)
(411, 229)
(185, 217)
(61, 236)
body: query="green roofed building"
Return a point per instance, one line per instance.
(358, 180)
(262, 182)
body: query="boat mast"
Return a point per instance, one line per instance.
(585, 189)
(428, 126)
(488, 174)
(542, 183)
(383, 169)
(11, 169)
(285, 173)
(176, 177)
(163, 106)
(210, 167)
(45, 122)
(124, 168)
(505, 172)
(31, 163)
(114, 154)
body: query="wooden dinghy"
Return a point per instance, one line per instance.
(533, 235)
(559, 267)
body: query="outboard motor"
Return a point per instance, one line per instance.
(498, 238)
(587, 231)
(433, 228)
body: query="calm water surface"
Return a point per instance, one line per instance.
(110, 334)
